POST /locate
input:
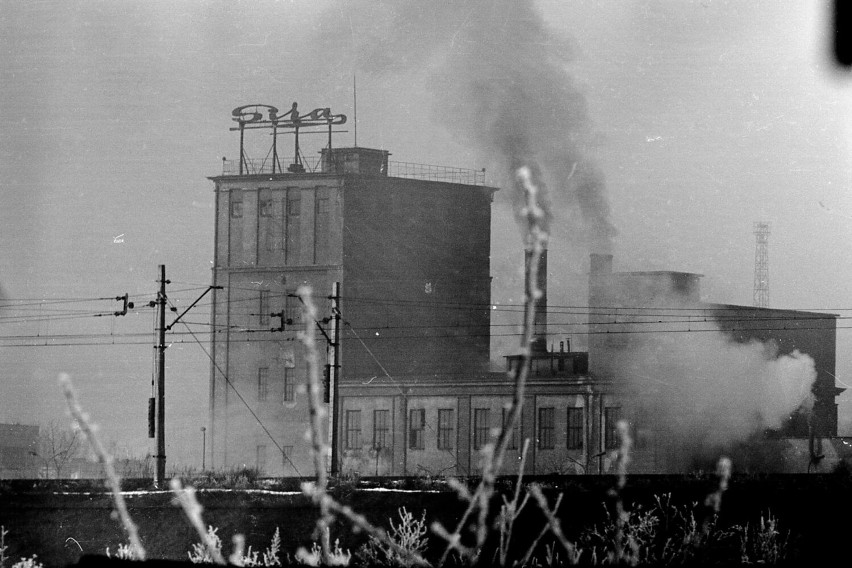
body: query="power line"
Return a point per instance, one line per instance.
(243, 400)
(45, 338)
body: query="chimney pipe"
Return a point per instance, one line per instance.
(600, 264)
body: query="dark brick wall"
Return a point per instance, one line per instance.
(416, 281)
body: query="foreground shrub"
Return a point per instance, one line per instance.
(409, 535)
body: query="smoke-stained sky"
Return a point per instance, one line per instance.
(698, 118)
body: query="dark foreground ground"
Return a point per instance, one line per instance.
(62, 521)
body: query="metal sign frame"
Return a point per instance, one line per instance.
(250, 117)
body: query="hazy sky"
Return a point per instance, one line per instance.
(703, 117)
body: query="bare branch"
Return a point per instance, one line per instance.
(185, 497)
(317, 413)
(535, 243)
(360, 522)
(106, 461)
(553, 523)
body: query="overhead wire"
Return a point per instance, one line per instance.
(242, 399)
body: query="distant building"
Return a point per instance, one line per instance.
(412, 259)
(18, 451)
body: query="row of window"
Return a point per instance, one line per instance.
(446, 425)
(266, 206)
(279, 225)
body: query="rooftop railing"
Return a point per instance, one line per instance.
(409, 170)
(429, 172)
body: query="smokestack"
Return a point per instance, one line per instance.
(600, 273)
(599, 264)
(539, 343)
(600, 270)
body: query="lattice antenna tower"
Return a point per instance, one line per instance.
(761, 265)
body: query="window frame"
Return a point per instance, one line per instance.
(481, 427)
(236, 207)
(261, 458)
(546, 428)
(352, 438)
(446, 428)
(516, 431)
(263, 308)
(287, 457)
(575, 431)
(289, 394)
(612, 414)
(381, 429)
(262, 384)
(416, 429)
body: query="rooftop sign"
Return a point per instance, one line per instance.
(253, 115)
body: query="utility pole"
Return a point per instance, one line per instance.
(160, 476)
(334, 376)
(157, 406)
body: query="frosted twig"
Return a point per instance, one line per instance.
(511, 509)
(237, 556)
(621, 461)
(713, 502)
(552, 522)
(185, 497)
(526, 558)
(535, 242)
(360, 522)
(317, 412)
(88, 428)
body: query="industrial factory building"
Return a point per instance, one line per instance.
(398, 257)
(407, 284)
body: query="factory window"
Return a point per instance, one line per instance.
(353, 430)
(322, 206)
(513, 437)
(262, 383)
(236, 205)
(574, 421)
(294, 203)
(446, 428)
(321, 227)
(261, 459)
(277, 238)
(289, 391)
(416, 425)
(292, 240)
(611, 417)
(292, 309)
(286, 457)
(381, 429)
(266, 207)
(545, 428)
(480, 428)
(263, 308)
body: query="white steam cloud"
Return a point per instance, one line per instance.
(697, 388)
